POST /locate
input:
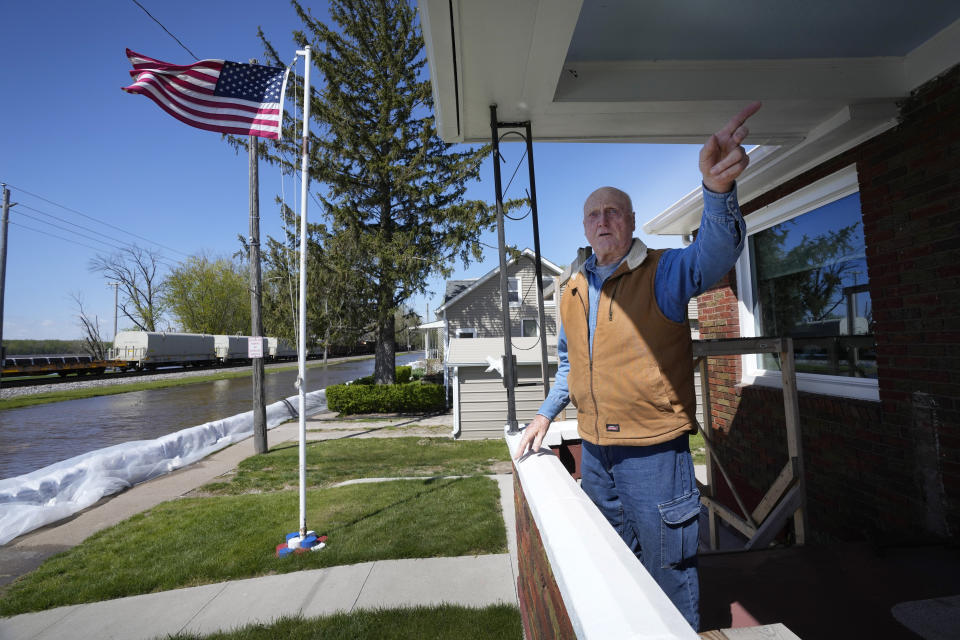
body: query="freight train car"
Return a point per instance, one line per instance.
(46, 365)
(278, 349)
(148, 349)
(231, 348)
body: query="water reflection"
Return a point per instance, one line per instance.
(34, 437)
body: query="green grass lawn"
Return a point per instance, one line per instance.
(332, 461)
(698, 449)
(421, 623)
(195, 541)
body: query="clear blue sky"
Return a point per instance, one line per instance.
(73, 137)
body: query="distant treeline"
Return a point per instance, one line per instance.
(42, 347)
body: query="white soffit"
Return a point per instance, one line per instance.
(617, 70)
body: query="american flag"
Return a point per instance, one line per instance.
(216, 95)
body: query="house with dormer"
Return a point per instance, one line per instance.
(472, 333)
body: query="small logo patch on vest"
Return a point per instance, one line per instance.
(613, 427)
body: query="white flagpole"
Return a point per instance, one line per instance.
(302, 346)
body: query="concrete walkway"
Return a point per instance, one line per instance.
(473, 581)
(469, 581)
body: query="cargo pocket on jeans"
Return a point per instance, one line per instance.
(679, 529)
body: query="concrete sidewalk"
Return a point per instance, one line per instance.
(470, 581)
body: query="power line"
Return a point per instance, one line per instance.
(53, 235)
(82, 235)
(98, 221)
(160, 259)
(50, 215)
(165, 29)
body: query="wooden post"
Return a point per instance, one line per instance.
(3, 265)
(256, 329)
(786, 497)
(791, 409)
(326, 335)
(707, 428)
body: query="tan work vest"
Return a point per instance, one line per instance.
(638, 387)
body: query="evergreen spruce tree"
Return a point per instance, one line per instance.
(394, 191)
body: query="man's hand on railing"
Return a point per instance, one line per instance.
(532, 436)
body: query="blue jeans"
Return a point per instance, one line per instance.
(649, 495)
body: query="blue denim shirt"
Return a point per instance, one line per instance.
(681, 275)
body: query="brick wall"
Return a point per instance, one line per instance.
(889, 471)
(541, 605)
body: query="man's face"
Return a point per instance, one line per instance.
(608, 223)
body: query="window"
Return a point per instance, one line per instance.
(806, 264)
(528, 328)
(466, 333)
(549, 291)
(513, 291)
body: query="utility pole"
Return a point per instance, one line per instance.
(3, 265)
(116, 287)
(326, 337)
(256, 328)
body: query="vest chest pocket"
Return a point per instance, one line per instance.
(679, 529)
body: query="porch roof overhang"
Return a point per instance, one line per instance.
(473, 352)
(829, 73)
(427, 326)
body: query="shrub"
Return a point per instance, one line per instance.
(386, 398)
(402, 376)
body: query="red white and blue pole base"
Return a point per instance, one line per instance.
(301, 544)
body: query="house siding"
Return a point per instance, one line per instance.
(483, 401)
(889, 470)
(481, 309)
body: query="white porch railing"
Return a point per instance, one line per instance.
(606, 590)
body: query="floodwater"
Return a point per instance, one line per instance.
(34, 437)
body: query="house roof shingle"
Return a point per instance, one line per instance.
(454, 287)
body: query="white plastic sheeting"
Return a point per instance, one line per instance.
(64, 488)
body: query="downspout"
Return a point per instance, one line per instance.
(446, 350)
(456, 402)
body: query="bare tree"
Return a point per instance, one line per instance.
(137, 271)
(93, 342)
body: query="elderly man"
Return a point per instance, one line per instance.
(626, 363)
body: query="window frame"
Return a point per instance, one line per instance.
(536, 326)
(815, 195)
(519, 291)
(556, 291)
(471, 330)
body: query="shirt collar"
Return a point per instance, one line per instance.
(633, 258)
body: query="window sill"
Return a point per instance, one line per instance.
(856, 388)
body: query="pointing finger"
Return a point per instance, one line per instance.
(740, 135)
(738, 120)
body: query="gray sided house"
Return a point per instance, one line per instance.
(471, 308)
(473, 332)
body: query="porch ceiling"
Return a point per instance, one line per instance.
(663, 71)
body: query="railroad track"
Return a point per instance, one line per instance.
(53, 380)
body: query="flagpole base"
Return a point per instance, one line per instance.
(297, 543)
